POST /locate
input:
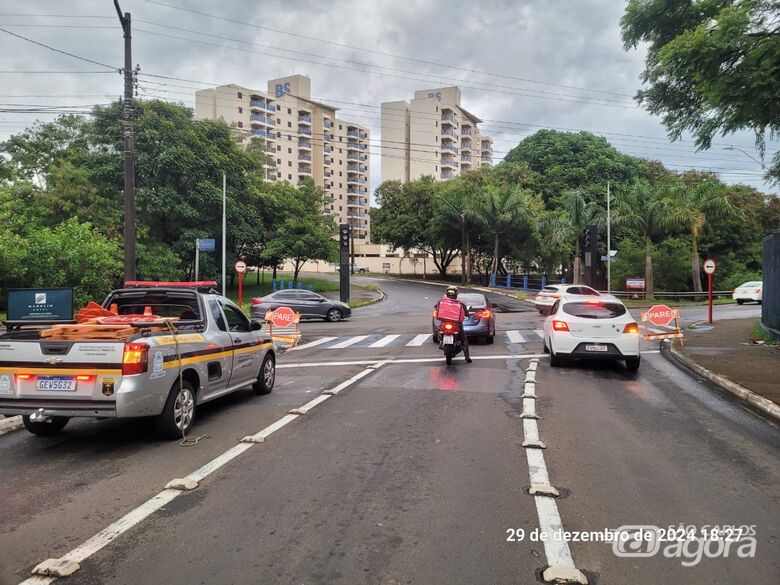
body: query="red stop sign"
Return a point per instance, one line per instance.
(660, 315)
(283, 317)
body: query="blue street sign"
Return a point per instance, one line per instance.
(206, 245)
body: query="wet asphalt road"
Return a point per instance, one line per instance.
(413, 474)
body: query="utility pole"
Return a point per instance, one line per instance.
(352, 247)
(609, 243)
(224, 233)
(127, 131)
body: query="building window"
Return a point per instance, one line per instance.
(340, 127)
(289, 124)
(278, 120)
(240, 96)
(278, 107)
(278, 148)
(340, 208)
(289, 163)
(289, 177)
(340, 175)
(289, 111)
(279, 135)
(240, 110)
(339, 185)
(437, 108)
(279, 175)
(437, 123)
(289, 151)
(240, 124)
(278, 161)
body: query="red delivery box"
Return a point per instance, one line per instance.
(450, 310)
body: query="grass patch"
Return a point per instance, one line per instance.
(357, 303)
(252, 289)
(521, 295)
(760, 334)
(371, 286)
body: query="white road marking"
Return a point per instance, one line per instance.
(511, 356)
(134, 517)
(349, 341)
(386, 340)
(530, 375)
(515, 336)
(539, 332)
(314, 343)
(556, 550)
(419, 340)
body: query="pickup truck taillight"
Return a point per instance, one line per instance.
(135, 359)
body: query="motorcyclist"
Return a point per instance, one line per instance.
(452, 294)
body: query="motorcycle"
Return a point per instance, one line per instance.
(450, 341)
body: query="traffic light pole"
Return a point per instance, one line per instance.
(345, 233)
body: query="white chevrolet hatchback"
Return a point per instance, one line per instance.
(596, 328)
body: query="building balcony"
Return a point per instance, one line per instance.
(465, 131)
(328, 149)
(304, 118)
(448, 119)
(303, 130)
(363, 135)
(258, 118)
(447, 175)
(353, 133)
(328, 137)
(357, 190)
(306, 157)
(449, 163)
(328, 173)
(327, 124)
(270, 107)
(328, 161)
(465, 146)
(450, 147)
(466, 158)
(257, 104)
(352, 146)
(304, 144)
(259, 133)
(304, 170)
(353, 156)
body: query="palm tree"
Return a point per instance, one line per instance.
(650, 212)
(502, 210)
(693, 208)
(568, 227)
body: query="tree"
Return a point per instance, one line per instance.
(645, 209)
(694, 207)
(304, 232)
(503, 210)
(712, 66)
(567, 226)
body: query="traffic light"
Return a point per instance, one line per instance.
(344, 231)
(587, 238)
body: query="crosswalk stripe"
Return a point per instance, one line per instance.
(539, 332)
(314, 343)
(349, 341)
(515, 336)
(386, 340)
(419, 340)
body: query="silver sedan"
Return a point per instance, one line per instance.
(309, 304)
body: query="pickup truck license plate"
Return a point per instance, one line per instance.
(449, 339)
(598, 347)
(55, 383)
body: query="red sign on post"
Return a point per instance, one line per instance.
(283, 317)
(240, 268)
(660, 315)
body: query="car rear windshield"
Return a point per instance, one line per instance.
(472, 300)
(594, 310)
(750, 285)
(162, 303)
(550, 289)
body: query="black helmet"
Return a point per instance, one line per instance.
(452, 292)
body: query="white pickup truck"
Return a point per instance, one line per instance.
(209, 350)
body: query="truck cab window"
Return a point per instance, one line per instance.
(236, 320)
(216, 312)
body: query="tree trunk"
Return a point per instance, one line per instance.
(695, 268)
(648, 270)
(296, 270)
(274, 274)
(494, 265)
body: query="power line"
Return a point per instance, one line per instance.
(34, 42)
(386, 54)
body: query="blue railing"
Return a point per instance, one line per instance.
(529, 282)
(282, 285)
(328, 137)
(328, 149)
(305, 131)
(257, 117)
(353, 133)
(270, 107)
(304, 118)
(304, 144)
(256, 104)
(262, 133)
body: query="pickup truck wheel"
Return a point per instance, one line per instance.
(179, 412)
(333, 315)
(45, 429)
(267, 375)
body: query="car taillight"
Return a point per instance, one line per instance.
(135, 359)
(449, 327)
(631, 328)
(483, 314)
(560, 325)
(556, 295)
(257, 302)
(84, 378)
(758, 290)
(23, 376)
(592, 302)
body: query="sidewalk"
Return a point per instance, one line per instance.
(727, 352)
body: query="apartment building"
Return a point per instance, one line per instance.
(304, 138)
(431, 135)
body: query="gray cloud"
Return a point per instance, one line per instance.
(568, 43)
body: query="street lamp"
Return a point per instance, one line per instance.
(463, 251)
(755, 160)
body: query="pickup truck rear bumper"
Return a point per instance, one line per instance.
(88, 408)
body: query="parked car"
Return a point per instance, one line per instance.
(593, 328)
(309, 304)
(749, 291)
(481, 321)
(549, 294)
(358, 268)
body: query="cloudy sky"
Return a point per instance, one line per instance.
(521, 64)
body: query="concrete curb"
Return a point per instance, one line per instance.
(756, 400)
(10, 424)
